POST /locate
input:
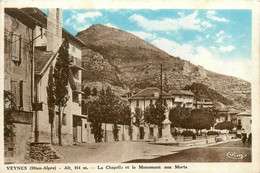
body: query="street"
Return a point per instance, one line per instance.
(228, 152)
(138, 152)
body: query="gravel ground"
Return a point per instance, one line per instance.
(111, 152)
(117, 152)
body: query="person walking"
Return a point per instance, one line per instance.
(244, 139)
(249, 140)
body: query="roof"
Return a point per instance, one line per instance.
(22, 17)
(42, 62)
(245, 113)
(41, 17)
(149, 94)
(41, 59)
(181, 92)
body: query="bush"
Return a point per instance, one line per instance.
(187, 133)
(212, 133)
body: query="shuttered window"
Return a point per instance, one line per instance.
(16, 44)
(17, 91)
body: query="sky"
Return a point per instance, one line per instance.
(218, 40)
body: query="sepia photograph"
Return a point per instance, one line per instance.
(127, 86)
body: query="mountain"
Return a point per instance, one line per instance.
(120, 59)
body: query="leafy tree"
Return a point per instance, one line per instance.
(154, 114)
(61, 79)
(225, 125)
(124, 117)
(199, 119)
(87, 92)
(94, 91)
(9, 108)
(105, 109)
(138, 117)
(178, 114)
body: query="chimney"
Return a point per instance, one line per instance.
(54, 29)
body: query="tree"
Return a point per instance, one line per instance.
(199, 119)
(178, 114)
(125, 117)
(94, 91)
(87, 92)
(225, 125)
(105, 109)
(51, 102)
(61, 80)
(9, 108)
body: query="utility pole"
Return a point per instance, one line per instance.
(161, 99)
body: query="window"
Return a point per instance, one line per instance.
(75, 97)
(164, 101)
(226, 118)
(64, 120)
(86, 126)
(151, 101)
(16, 41)
(173, 100)
(137, 103)
(75, 73)
(17, 91)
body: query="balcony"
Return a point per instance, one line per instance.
(76, 63)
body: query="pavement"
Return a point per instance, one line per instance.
(127, 151)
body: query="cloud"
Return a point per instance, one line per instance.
(226, 49)
(144, 35)
(206, 24)
(80, 28)
(188, 22)
(208, 58)
(213, 48)
(211, 12)
(111, 25)
(220, 33)
(212, 16)
(221, 36)
(220, 39)
(180, 13)
(207, 36)
(78, 20)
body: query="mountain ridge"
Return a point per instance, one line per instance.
(123, 59)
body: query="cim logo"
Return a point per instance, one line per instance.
(234, 155)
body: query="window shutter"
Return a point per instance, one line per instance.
(16, 43)
(14, 90)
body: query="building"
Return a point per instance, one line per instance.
(19, 33)
(51, 37)
(148, 96)
(245, 120)
(223, 115)
(142, 100)
(203, 103)
(183, 98)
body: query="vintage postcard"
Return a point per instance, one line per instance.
(115, 86)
